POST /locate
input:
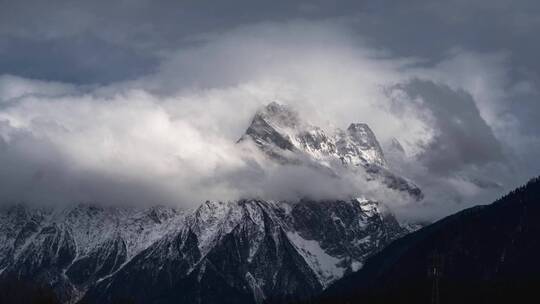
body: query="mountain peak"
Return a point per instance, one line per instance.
(280, 126)
(275, 107)
(358, 126)
(364, 138)
(279, 115)
(362, 133)
(279, 132)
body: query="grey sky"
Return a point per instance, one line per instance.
(456, 82)
(143, 29)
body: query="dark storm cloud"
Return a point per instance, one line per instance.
(79, 59)
(100, 41)
(416, 28)
(463, 137)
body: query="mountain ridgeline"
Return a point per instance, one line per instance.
(284, 136)
(246, 251)
(485, 254)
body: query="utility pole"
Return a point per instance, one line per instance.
(435, 271)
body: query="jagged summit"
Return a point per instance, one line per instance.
(364, 137)
(278, 129)
(279, 114)
(280, 132)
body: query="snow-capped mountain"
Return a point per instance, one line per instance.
(281, 133)
(246, 251)
(71, 248)
(253, 251)
(284, 136)
(249, 251)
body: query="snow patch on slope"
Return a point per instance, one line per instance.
(326, 266)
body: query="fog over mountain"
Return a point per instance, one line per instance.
(143, 102)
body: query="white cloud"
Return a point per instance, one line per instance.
(169, 136)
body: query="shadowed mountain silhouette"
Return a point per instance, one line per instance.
(13, 290)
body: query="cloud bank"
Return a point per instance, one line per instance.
(168, 136)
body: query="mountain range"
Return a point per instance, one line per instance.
(245, 251)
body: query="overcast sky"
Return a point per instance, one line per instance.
(143, 100)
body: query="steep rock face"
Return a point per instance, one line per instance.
(225, 253)
(359, 146)
(247, 251)
(70, 248)
(252, 251)
(282, 135)
(17, 225)
(51, 250)
(348, 231)
(104, 259)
